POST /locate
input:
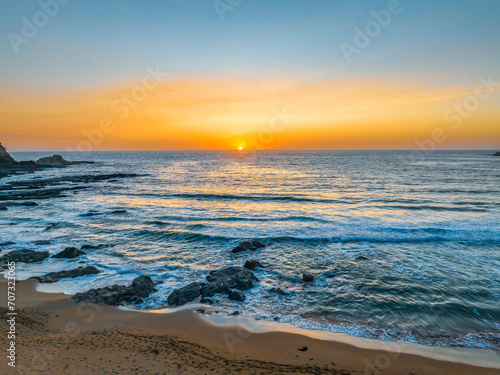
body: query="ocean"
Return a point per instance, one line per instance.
(401, 247)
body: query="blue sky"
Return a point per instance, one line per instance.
(97, 43)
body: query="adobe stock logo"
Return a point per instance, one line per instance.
(363, 37)
(31, 26)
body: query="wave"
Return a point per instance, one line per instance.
(427, 235)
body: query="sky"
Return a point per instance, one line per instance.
(267, 74)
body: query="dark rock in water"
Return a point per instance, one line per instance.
(184, 295)
(25, 256)
(248, 245)
(57, 161)
(361, 257)
(77, 272)
(201, 311)
(206, 301)
(236, 295)
(222, 281)
(91, 213)
(91, 247)
(5, 204)
(7, 243)
(141, 287)
(236, 313)
(219, 282)
(278, 291)
(119, 212)
(69, 253)
(42, 242)
(303, 349)
(307, 277)
(253, 264)
(496, 154)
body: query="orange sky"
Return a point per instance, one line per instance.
(263, 113)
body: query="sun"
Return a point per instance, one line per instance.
(240, 148)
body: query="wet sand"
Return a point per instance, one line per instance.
(57, 336)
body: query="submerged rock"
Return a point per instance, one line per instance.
(42, 242)
(253, 264)
(307, 277)
(279, 291)
(7, 243)
(25, 256)
(361, 257)
(69, 253)
(91, 247)
(53, 277)
(248, 245)
(141, 287)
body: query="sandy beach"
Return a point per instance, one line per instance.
(54, 335)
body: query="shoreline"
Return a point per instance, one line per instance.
(228, 343)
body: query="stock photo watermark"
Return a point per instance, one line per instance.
(456, 115)
(11, 313)
(224, 6)
(32, 25)
(363, 37)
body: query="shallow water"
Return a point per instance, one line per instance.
(429, 227)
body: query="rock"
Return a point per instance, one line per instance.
(236, 295)
(56, 161)
(3, 207)
(248, 245)
(253, 264)
(206, 301)
(303, 349)
(141, 288)
(5, 158)
(201, 311)
(7, 243)
(236, 313)
(91, 213)
(496, 154)
(222, 281)
(184, 295)
(77, 272)
(91, 247)
(118, 212)
(25, 256)
(42, 242)
(69, 253)
(219, 282)
(361, 257)
(278, 291)
(307, 277)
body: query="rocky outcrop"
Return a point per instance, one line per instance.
(5, 158)
(53, 277)
(69, 253)
(8, 166)
(248, 245)
(496, 154)
(25, 256)
(307, 277)
(253, 264)
(184, 295)
(141, 288)
(57, 161)
(4, 205)
(223, 281)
